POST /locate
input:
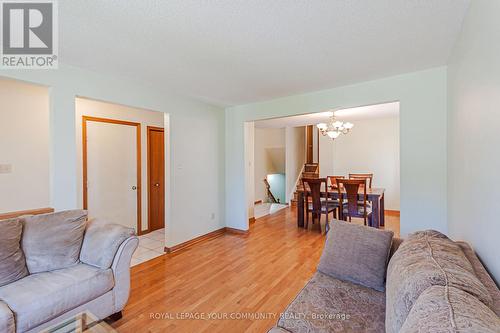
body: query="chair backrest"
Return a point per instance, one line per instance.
(367, 176)
(333, 180)
(352, 187)
(313, 187)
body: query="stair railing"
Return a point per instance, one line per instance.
(270, 195)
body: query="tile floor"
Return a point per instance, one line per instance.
(151, 245)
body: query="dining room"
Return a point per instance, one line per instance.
(362, 157)
(351, 167)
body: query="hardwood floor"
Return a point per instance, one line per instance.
(259, 273)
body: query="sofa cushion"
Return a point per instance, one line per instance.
(425, 259)
(327, 304)
(441, 309)
(7, 322)
(101, 242)
(356, 253)
(12, 262)
(41, 297)
(53, 241)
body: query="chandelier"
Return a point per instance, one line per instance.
(334, 127)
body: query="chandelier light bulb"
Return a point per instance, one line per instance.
(338, 124)
(322, 126)
(334, 127)
(333, 134)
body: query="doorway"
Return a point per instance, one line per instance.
(112, 170)
(120, 118)
(309, 144)
(156, 178)
(372, 147)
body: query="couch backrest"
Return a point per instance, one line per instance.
(423, 260)
(482, 275)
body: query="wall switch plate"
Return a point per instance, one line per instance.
(5, 168)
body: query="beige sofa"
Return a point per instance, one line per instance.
(414, 299)
(98, 280)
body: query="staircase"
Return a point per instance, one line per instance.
(270, 194)
(311, 170)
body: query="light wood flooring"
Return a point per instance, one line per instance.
(233, 275)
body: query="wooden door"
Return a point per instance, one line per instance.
(309, 144)
(112, 170)
(156, 178)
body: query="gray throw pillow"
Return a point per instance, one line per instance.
(12, 262)
(53, 241)
(356, 253)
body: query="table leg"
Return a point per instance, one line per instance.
(382, 211)
(376, 213)
(300, 209)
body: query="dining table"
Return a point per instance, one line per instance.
(374, 195)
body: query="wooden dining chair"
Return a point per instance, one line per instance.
(333, 180)
(367, 176)
(352, 207)
(316, 203)
(369, 180)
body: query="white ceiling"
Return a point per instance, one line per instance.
(231, 52)
(353, 114)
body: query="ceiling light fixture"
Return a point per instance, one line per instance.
(334, 127)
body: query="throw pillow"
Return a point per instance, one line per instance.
(356, 253)
(53, 241)
(12, 262)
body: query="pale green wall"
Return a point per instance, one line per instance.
(422, 97)
(194, 161)
(474, 134)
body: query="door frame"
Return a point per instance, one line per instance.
(309, 144)
(85, 119)
(158, 129)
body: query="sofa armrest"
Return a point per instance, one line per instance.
(121, 271)
(7, 320)
(102, 241)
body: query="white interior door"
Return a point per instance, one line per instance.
(112, 172)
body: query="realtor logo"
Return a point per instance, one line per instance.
(29, 34)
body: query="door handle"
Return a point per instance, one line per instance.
(157, 184)
(134, 188)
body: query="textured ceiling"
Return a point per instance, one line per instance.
(231, 52)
